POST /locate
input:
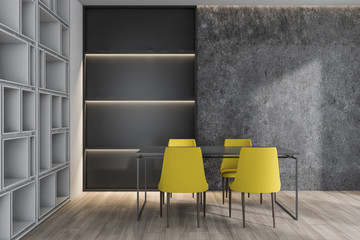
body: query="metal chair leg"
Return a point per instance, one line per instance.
(260, 198)
(229, 202)
(197, 209)
(204, 203)
(193, 195)
(243, 207)
(200, 198)
(273, 208)
(161, 202)
(168, 209)
(171, 195)
(227, 186)
(223, 190)
(248, 195)
(163, 198)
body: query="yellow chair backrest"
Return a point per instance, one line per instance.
(258, 171)
(182, 143)
(183, 171)
(231, 163)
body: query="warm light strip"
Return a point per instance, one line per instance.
(110, 101)
(112, 150)
(142, 55)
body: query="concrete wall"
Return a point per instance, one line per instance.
(283, 76)
(76, 98)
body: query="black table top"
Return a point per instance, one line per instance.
(210, 151)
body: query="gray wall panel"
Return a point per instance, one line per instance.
(287, 77)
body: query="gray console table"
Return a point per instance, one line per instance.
(211, 152)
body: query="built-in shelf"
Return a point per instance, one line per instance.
(65, 112)
(55, 73)
(59, 149)
(28, 18)
(10, 14)
(62, 9)
(50, 31)
(56, 112)
(65, 38)
(47, 194)
(62, 185)
(23, 208)
(11, 110)
(14, 58)
(28, 109)
(45, 118)
(32, 154)
(5, 216)
(16, 160)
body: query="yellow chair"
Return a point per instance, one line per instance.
(229, 165)
(257, 172)
(182, 172)
(182, 143)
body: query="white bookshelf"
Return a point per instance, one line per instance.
(9, 14)
(28, 18)
(45, 111)
(14, 58)
(62, 185)
(58, 149)
(15, 160)
(23, 208)
(5, 216)
(34, 114)
(47, 194)
(28, 110)
(56, 112)
(11, 110)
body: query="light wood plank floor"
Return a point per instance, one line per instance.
(112, 215)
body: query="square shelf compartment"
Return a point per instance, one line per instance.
(65, 41)
(50, 31)
(11, 110)
(14, 59)
(63, 9)
(59, 149)
(28, 18)
(5, 216)
(56, 112)
(47, 195)
(10, 14)
(62, 185)
(16, 160)
(65, 112)
(55, 74)
(45, 128)
(28, 103)
(23, 208)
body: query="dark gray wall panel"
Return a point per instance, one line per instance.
(140, 78)
(109, 169)
(287, 77)
(139, 30)
(137, 124)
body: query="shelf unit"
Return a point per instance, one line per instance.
(139, 89)
(34, 122)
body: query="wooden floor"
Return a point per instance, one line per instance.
(112, 215)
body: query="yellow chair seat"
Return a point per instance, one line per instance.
(228, 175)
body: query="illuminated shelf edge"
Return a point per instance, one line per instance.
(111, 150)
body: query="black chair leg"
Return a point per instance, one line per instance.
(229, 202)
(243, 207)
(161, 202)
(200, 198)
(248, 195)
(227, 186)
(223, 190)
(260, 198)
(193, 195)
(168, 209)
(197, 209)
(204, 203)
(273, 208)
(163, 198)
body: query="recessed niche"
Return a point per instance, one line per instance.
(56, 73)
(65, 112)
(47, 194)
(28, 18)
(10, 14)
(45, 127)
(63, 9)
(11, 110)
(59, 149)
(62, 185)
(65, 41)
(50, 31)
(5, 216)
(28, 109)
(56, 112)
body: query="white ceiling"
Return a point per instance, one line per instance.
(221, 2)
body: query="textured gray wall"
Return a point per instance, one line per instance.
(284, 76)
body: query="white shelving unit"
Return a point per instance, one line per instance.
(34, 122)
(28, 109)
(14, 58)
(62, 185)
(11, 110)
(23, 208)
(15, 160)
(5, 216)
(45, 111)
(47, 194)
